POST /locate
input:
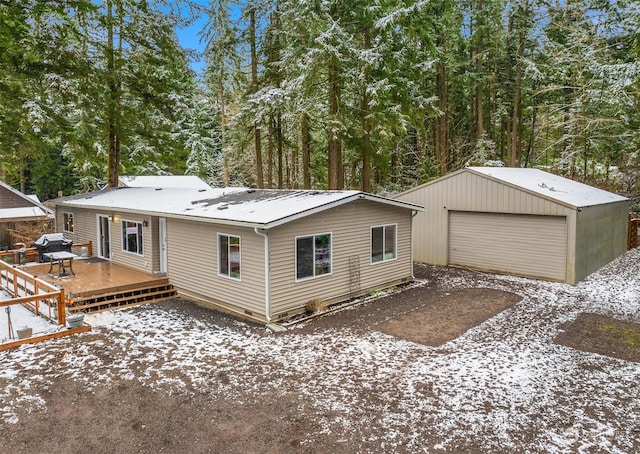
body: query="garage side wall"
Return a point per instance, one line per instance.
(602, 236)
(467, 191)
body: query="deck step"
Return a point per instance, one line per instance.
(124, 298)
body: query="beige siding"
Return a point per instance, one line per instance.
(350, 226)
(510, 243)
(119, 255)
(84, 225)
(602, 236)
(466, 191)
(193, 257)
(86, 230)
(193, 265)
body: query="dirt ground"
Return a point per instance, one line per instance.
(601, 334)
(434, 324)
(128, 416)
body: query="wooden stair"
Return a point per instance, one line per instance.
(151, 292)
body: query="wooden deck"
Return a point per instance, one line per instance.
(101, 285)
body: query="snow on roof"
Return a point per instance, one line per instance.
(23, 212)
(16, 206)
(551, 186)
(262, 208)
(163, 181)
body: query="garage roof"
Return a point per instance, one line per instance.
(550, 186)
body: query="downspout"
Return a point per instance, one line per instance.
(413, 214)
(267, 301)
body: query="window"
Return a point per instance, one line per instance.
(132, 237)
(229, 256)
(67, 222)
(383, 243)
(313, 256)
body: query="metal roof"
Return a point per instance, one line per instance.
(262, 208)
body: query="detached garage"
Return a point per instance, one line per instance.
(518, 221)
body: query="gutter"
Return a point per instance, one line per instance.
(267, 293)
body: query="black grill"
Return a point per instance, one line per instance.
(52, 242)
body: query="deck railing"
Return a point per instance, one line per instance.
(30, 254)
(32, 292)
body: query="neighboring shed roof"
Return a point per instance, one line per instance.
(263, 208)
(162, 181)
(16, 206)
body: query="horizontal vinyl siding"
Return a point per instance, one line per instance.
(85, 230)
(142, 262)
(467, 191)
(350, 226)
(192, 251)
(84, 225)
(517, 244)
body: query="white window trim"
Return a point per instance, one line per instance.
(64, 224)
(228, 276)
(295, 256)
(137, 254)
(395, 246)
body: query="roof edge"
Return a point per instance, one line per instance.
(357, 195)
(26, 197)
(538, 194)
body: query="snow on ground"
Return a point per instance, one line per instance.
(504, 384)
(19, 317)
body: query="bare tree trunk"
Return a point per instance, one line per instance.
(254, 86)
(479, 87)
(442, 122)
(280, 151)
(366, 143)
(527, 156)
(336, 177)
(395, 178)
(306, 151)
(113, 141)
(223, 123)
(515, 149)
(270, 153)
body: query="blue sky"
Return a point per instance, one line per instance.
(189, 39)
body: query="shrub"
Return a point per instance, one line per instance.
(315, 305)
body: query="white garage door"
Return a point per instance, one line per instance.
(525, 245)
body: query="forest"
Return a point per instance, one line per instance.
(377, 95)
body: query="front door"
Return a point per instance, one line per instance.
(162, 237)
(104, 237)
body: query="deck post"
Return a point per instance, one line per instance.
(15, 280)
(62, 308)
(36, 291)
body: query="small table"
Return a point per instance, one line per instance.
(60, 258)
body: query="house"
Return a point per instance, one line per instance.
(519, 221)
(264, 254)
(19, 215)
